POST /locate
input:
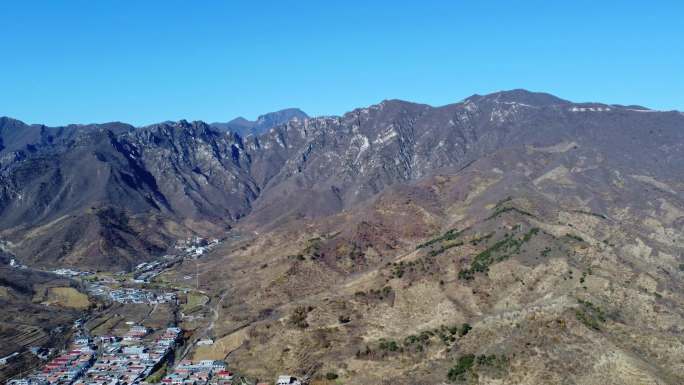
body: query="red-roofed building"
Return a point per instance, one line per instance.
(225, 374)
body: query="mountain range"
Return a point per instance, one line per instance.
(514, 237)
(112, 194)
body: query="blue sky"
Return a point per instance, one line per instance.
(148, 61)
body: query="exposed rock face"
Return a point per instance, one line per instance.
(113, 190)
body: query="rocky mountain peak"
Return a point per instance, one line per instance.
(262, 124)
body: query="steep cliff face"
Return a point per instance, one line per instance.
(114, 194)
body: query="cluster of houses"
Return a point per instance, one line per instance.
(63, 369)
(145, 271)
(131, 295)
(118, 361)
(71, 273)
(196, 247)
(199, 373)
(129, 360)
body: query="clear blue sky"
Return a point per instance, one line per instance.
(147, 61)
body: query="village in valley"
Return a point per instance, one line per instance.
(140, 356)
(134, 335)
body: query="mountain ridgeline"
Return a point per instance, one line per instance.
(111, 195)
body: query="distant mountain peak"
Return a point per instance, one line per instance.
(263, 123)
(287, 113)
(240, 120)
